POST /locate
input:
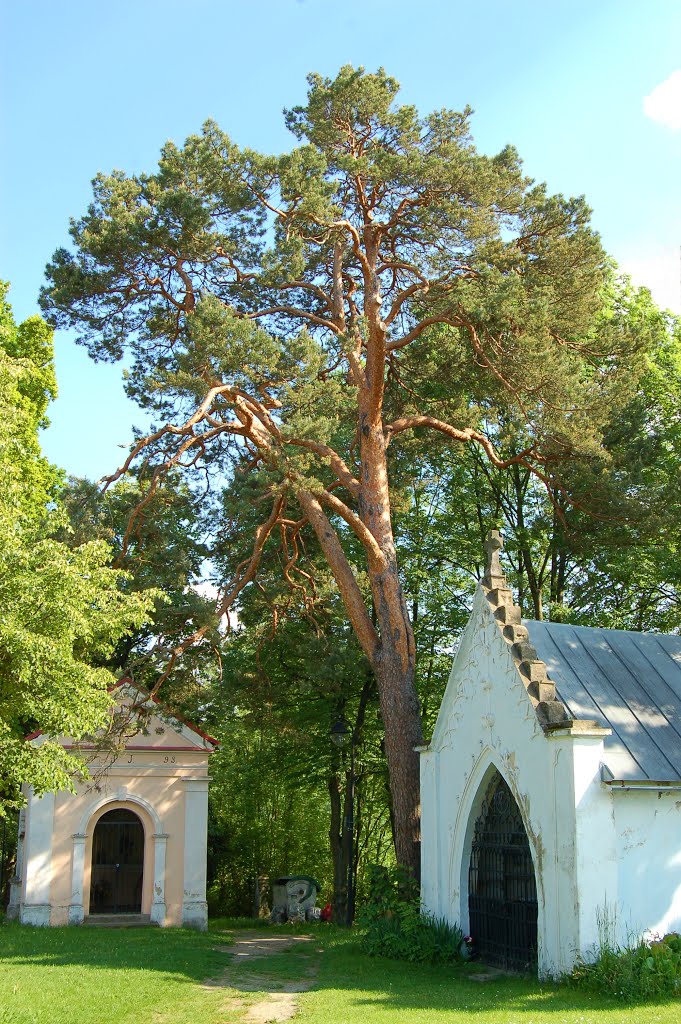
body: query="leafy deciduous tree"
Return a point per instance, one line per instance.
(61, 609)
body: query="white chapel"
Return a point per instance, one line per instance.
(551, 788)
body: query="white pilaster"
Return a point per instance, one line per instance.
(76, 909)
(158, 903)
(36, 906)
(16, 883)
(194, 906)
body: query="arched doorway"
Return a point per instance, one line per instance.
(117, 863)
(502, 893)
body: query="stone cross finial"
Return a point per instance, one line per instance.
(494, 574)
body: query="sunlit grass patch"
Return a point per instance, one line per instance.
(159, 976)
(112, 976)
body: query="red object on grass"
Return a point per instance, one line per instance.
(327, 912)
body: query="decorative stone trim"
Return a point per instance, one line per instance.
(540, 688)
(579, 727)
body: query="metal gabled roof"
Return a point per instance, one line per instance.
(628, 682)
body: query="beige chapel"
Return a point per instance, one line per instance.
(131, 841)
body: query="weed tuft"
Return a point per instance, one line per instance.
(646, 970)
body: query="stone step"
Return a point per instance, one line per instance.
(117, 921)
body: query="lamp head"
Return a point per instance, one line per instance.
(340, 733)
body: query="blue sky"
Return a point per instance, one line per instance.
(90, 86)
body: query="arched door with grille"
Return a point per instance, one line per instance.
(502, 894)
(117, 864)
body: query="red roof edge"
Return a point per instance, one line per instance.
(127, 681)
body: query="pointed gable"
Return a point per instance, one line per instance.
(146, 723)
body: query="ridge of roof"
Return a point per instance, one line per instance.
(605, 629)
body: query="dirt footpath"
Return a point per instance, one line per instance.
(280, 1002)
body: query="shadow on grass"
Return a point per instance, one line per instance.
(333, 964)
(176, 952)
(180, 952)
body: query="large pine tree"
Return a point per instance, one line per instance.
(291, 317)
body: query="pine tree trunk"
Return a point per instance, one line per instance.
(402, 722)
(395, 663)
(340, 874)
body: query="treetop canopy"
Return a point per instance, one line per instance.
(212, 265)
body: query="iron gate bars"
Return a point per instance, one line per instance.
(117, 864)
(502, 894)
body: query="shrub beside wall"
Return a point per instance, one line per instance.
(393, 925)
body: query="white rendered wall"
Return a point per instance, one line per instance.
(194, 906)
(596, 863)
(35, 908)
(648, 828)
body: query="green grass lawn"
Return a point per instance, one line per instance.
(154, 976)
(353, 989)
(107, 976)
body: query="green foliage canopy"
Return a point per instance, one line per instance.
(61, 610)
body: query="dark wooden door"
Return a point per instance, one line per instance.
(117, 864)
(502, 893)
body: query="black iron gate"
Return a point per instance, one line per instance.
(117, 864)
(502, 894)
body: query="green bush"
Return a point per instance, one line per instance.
(393, 926)
(649, 969)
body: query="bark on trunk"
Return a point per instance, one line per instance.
(395, 662)
(390, 648)
(402, 722)
(388, 640)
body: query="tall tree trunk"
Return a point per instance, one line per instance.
(402, 722)
(390, 648)
(386, 636)
(395, 661)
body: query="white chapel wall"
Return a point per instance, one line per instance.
(648, 827)
(487, 722)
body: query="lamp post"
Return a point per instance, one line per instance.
(341, 735)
